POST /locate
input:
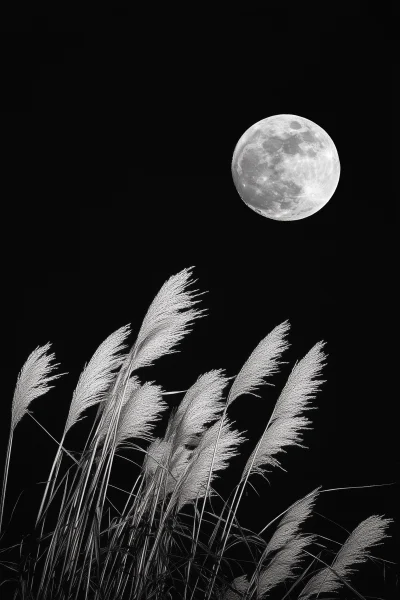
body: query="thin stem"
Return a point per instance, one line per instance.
(5, 477)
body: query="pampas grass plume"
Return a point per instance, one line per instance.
(167, 320)
(287, 423)
(262, 362)
(200, 406)
(140, 413)
(98, 374)
(33, 381)
(289, 525)
(356, 549)
(283, 565)
(240, 584)
(194, 483)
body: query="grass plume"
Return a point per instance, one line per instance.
(355, 550)
(168, 319)
(97, 376)
(287, 422)
(262, 363)
(33, 381)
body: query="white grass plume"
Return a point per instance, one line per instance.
(282, 567)
(177, 467)
(33, 381)
(263, 362)
(112, 400)
(289, 525)
(167, 320)
(140, 412)
(171, 464)
(200, 406)
(286, 423)
(368, 533)
(97, 375)
(175, 461)
(157, 454)
(240, 584)
(194, 481)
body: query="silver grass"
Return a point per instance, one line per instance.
(282, 567)
(167, 320)
(140, 412)
(33, 381)
(177, 467)
(240, 584)
(200, 406)
(131, 386)
(289, 525)
(174, 463)
(97, 375)
(263, 362)
(194, 481)
(368, 533)
(286, 424)
(73, 560)
(157, 454)
(111, 401)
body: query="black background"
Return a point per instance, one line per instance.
(118, 131)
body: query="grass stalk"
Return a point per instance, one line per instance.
(5, 477)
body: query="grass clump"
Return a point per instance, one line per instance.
(167, 540)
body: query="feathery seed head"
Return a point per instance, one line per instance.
(200, 406)
(178, 465)
(32, 381)
(167, 320)
(240, 584)
(356, 549)
(263, 362)
(97, 376)
(194, 482)
(301, 386)
(157, 454)
(283, 565)
(140, 412)
(112, 400)
(287, 422)
(290, 523)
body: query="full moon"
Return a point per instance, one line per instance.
(285, 167)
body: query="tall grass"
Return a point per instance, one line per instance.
(161, 536)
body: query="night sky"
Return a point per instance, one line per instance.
(118, 132)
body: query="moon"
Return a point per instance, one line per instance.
(285, 167)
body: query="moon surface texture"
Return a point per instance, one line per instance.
(285, 167)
